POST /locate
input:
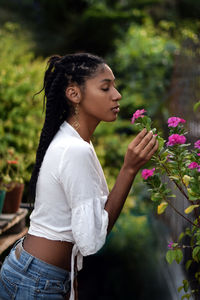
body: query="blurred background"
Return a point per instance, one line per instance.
(153, 48)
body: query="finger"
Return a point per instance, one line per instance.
(139, 137)
(150, 144)
(151, 152)
(145, 141)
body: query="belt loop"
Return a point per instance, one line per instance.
(18, 241)
(29, 261)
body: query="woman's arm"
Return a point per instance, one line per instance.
(140, 151)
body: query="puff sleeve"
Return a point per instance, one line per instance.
(83, 187)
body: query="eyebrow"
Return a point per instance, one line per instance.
(107, 80)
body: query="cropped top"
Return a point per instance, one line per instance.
(71, 193)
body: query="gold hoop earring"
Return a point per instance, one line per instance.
(76, 123)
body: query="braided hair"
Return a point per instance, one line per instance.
(61, 71)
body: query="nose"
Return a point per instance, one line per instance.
(116, 95)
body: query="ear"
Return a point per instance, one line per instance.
(73, 93)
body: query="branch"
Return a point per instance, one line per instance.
(195, 209)
(178, 212)
(178, 186)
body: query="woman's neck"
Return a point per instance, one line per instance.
(85, 128)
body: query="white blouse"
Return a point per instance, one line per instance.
(71, 193)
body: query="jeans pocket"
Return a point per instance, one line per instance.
(7, 278)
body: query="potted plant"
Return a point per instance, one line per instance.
(14, 181)
(4, 179)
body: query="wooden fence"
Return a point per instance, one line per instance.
(183, 94)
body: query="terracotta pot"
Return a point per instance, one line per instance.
(13, 199)
(2, 198)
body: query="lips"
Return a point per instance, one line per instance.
(116, 109)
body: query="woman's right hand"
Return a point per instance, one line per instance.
(140, 151)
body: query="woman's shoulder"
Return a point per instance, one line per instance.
(79, 149)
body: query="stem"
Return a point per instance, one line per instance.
(182, 191)
(178, 212)
(178, 186)
(195, 209)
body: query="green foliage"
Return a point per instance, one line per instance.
(143, 64)
(20, 78)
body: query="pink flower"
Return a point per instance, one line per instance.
(174, 121)
(193, 165)
(175, 139)
(170, 245)
(137, 114)
(146, 173)
(198, 154)
(197, 144)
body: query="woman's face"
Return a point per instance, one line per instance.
(100, 100)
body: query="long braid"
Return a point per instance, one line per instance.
(60, 72)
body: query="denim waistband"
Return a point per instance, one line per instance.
(27, 263)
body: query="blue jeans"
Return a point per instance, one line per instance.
(24, 277)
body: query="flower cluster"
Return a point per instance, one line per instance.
(146, 173)
(176, 139)
(170, 245)
(138, 114)
(174, 121)
(194, 165)
(197, 146)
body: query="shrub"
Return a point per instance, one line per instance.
(20, 78)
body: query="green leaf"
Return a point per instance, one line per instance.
(197, 275)
(146, 122)
(180, 288)
(181, 236)
(195, 253)
(185, 285)
(192, 198)
(170, 256)
(174, 177)
(161, 208)
(161, 142)
(188, 231)
(156, 197)
(178, 255)
(188, 264)
(156, 181)
(186, 296)
(172, 196)
(196, 106)
(190, 208)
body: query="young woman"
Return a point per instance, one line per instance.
(74, 211)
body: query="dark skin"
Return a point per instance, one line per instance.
(99, 101)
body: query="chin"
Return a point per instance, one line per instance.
(113, 119)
